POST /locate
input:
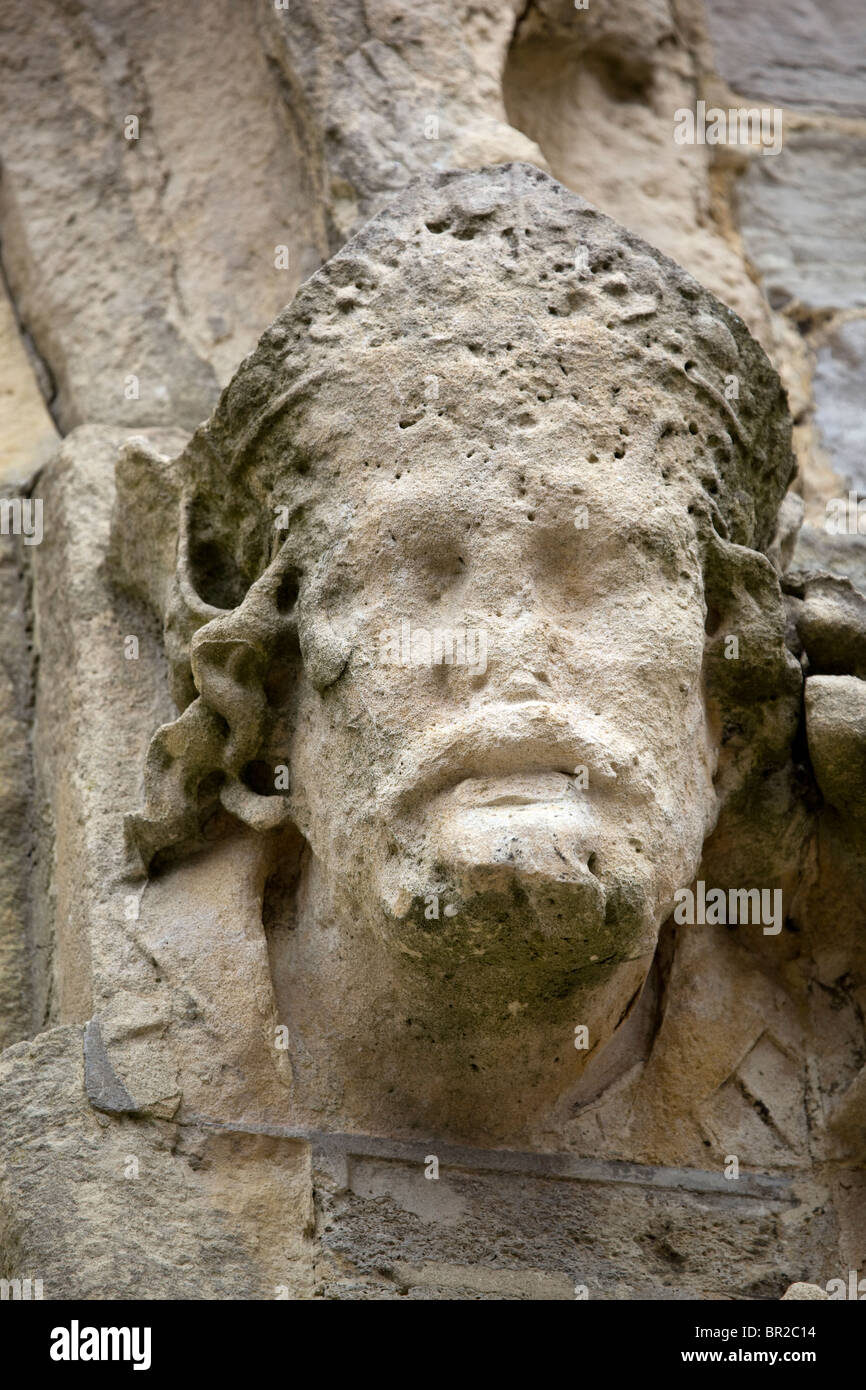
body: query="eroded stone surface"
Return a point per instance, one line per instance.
(416, 424)
(21, 955)
(472, 792)
(836, 721)
(584, 83)
(270, 657)
(28, 436)
(127, 257)
(135, 1209)
(382, 94)
(668, 1233)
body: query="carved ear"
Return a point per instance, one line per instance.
(158, 556)
(753, 684)
(747, 659)
(220, 747)
(830, 617)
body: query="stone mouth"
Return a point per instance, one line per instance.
(529, 788)
(533, 752)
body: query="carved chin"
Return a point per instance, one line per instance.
(518, 923)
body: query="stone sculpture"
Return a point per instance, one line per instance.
(492, 412)
(472, 602)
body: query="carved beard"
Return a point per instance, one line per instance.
(488, 944)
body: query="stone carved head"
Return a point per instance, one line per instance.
(500, 429)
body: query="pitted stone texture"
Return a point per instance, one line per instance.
(413, 266)
(442, 364)
(521, 360)
(598, 89)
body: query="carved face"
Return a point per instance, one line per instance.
(505, 832)
(493, 450)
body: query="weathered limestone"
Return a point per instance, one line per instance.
(840, 382)
(19, 952)
(831, 622)
(381, 93)
(586, 83)
(589, 484)
(458, 854)
(836, 725)
(310, 118)
(129, 257)
(293, 909)
(551, 1227)
(135, 1208)
(262, 141)
(27, 431)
